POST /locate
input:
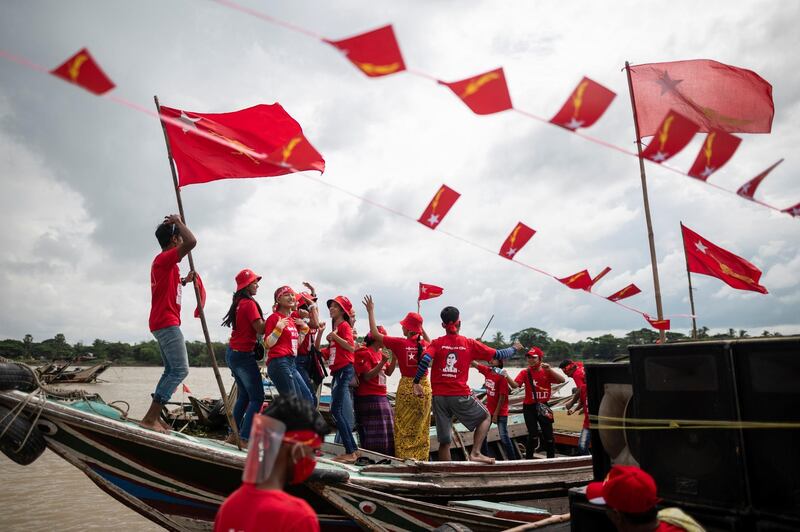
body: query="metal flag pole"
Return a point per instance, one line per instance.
(487, 326)
(653, 260)
(691, 291)
(203, 323)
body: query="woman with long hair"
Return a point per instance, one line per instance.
(374, 417)
(341, 347)
(247, 321)
(281, 344)
(412, 418)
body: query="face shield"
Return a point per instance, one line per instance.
(266, 437)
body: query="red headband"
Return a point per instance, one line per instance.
(282, 290)
(303, 437)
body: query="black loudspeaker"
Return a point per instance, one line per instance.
(609, 393)
(690, 381)
(768, 382)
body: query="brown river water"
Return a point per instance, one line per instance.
(50, 494)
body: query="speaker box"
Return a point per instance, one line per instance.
(690, 381)
(609, 393)
(768, 383)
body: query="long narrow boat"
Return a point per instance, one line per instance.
(179, 481)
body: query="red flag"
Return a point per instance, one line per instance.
(429, 291)
(717, 149)
(375, 53)
(202, 290)
(793, 211)
(259, 141)
(748, 190)
(82, 70)
(579, 281)
(711, 94)
(704, 257)
(600, 275)
(628, 291)
(484, 94)
(673, 135)
(438, 207)
(186, 388)
(516, 240)
(585, 105)
(661, 325)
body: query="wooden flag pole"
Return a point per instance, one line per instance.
(691, 291)
(653, 260)
(203, 323)
(487, 326)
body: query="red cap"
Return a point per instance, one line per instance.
(245, 277)
(343, 302)
(535, 352)
(626, 488)
(412, 322)
(381, 329)
(303, 298)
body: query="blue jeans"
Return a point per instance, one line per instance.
(283, 374)
(342, 406)
(508, 445)
(245, 372)
(301, 363)
(176, 362)
(583, 441)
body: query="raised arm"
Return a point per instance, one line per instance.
(188, 240)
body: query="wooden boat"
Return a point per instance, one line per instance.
(59, 373)
(179, 481)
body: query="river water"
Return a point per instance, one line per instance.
(50, 494)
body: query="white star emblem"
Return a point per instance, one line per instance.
(190, 122)
(667, 84)
(574, 124)
(433, 220)
(700, 247)
(708, 171)
(424, 289)
(511, 252)
(659, 157)
(745, 189)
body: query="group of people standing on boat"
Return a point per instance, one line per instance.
(433, 373)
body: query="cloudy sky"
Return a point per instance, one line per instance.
(84, 181)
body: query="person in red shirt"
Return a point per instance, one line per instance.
(247, 321)
(374, 416)
(412, 414)
(449, 358)
(497, 403)
(281, 452)
(176, 241)
(282, 343)
(341, 347)
(537, 379)
(307, 361)
(577, 373)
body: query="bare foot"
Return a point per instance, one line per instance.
(481, 458)
(347, 458)
(156, 427)
(165, 425)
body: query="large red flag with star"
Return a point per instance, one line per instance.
(585, 105)
(485, 93)
(260, 141)
(748, 190)
(717, 149)
(436, 210)
(82, 70)
(705, 257)
(711, 94)
(628, 291)
(672, 136)
(429, 291)
(376, 53)
(579, 281)
(516, 240)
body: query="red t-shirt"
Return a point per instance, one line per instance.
(496, 387)
(405, 351)
(286, 346)
(338, 357)
(305, 346)
(541, 381)
(249, 509)
(166, 289)
(579, 377)
(365, 360)
(243, 336)
(452, 355)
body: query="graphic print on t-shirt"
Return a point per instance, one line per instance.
(179, 294)
(450, 369)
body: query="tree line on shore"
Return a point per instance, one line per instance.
(605, 347)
